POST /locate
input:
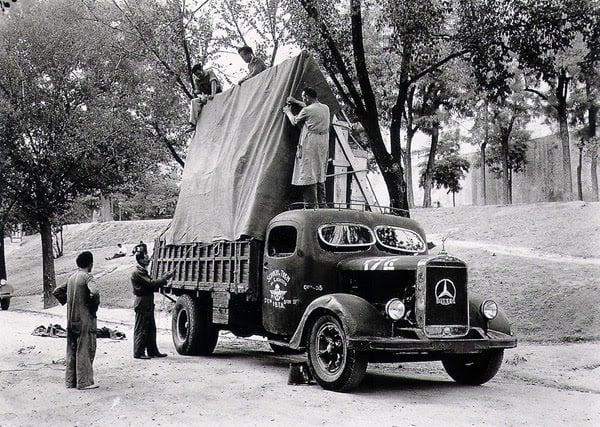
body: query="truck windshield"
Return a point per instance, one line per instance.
(399, 239)
(346, 235)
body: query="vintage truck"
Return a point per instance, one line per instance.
(347, 286)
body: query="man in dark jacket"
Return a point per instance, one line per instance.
(144, 332)
(82, 298)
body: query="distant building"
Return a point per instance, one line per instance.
(541, 180)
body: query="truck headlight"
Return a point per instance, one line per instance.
(395, 309)
(2, 282)
(489, 309)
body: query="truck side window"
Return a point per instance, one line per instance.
(282, 241)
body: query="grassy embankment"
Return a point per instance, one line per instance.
(548, 298)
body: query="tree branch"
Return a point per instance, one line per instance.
(437, 65)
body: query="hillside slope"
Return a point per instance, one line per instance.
(541, 262)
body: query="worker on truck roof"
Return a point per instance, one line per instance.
(310, 167)
(205, 85)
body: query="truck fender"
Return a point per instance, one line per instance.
(358, 317)
(500, 323)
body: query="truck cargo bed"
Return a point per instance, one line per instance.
(228, 270)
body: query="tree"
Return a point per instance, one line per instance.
(448, 172)
(168, 38)
(68, 96)
(448, 168)
(549, 42)
(336, 35)
(263, 23)
(507, 154)
(412, 40)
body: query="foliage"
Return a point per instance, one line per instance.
(152, 197)
(68, 101)
(517, 150)
(260, 24)
(166, 39)
(449, 171)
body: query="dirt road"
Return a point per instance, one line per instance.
(244, 383)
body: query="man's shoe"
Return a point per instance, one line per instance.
(88, 387)
(158, 355)
(143, 356)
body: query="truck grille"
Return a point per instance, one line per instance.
(442, 304)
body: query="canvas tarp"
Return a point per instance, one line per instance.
(238, 170)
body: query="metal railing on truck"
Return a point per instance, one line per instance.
(229, 270)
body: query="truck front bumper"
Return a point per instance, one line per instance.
(490, 340)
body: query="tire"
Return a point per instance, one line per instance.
(335, 366)
(191, 328)
(5, 303)
(280, 349)
(473, 369)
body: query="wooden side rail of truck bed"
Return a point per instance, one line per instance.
(228, 271)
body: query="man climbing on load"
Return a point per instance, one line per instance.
(205, 86)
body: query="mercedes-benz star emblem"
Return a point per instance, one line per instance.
(445, 292)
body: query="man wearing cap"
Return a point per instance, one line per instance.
(205, 86)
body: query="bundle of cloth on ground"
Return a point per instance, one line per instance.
(57, 331)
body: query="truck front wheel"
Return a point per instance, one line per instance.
(5, 303)
(473, 369)
(334, 365)
(192, 329)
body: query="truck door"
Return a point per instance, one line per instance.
(281, 279)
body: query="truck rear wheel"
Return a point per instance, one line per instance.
(5, 303)
(473, 369)
(192, 329)
(334, 365)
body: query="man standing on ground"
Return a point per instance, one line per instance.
(144, 331)
(140, 247)
(205, 86)
(310, 167)
(80, 293)
(255, 64)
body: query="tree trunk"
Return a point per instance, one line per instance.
(2, 254)
(563, 126)
(483, 146)
(428, 179)
(453, 199)
(592, 119)
(410, 133)
(106, 211)
(579, 185)
(594, 166)
(408, 168)
(510, 193)
(483, 181)
(505, 179)
(48, 274)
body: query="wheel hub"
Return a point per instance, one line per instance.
(330, 348)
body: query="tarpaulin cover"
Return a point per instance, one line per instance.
(238, 170)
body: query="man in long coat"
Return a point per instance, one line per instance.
(144, 331)
(310, 167)
(81, 295)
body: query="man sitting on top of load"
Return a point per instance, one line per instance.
(206, 86)
(255, 64)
